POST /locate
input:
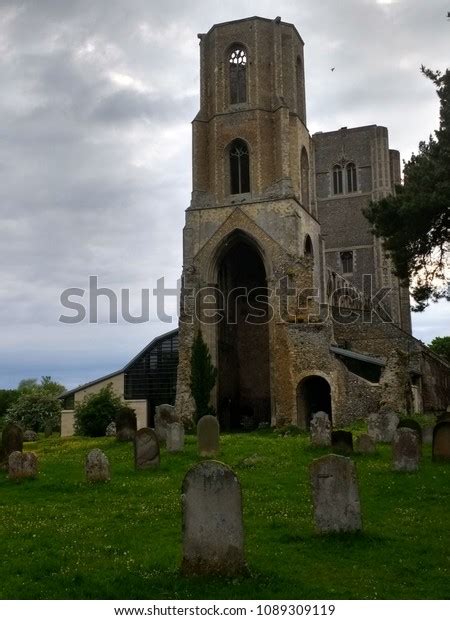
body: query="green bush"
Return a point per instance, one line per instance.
(96, 411)
(33, 409)
(203, 377)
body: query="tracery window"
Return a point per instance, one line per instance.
(238, 75)
(239, 167)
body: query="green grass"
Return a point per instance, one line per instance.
(63, 538)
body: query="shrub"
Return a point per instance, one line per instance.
(35, 408)
(96, 411)
(203, 377)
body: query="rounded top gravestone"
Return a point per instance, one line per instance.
(320, 429)
(146, 449)
(97, 466)
(406, 449)
(441, 441)
(126, 424)
(412, 424)
(213, 531)
(364, 444)
(175, 437)
(208, 433)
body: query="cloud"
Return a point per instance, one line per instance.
(95, 146)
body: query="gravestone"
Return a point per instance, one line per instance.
(382, 426)
(208, 433)
(406, 450)
(213, 531)
(320, 429)
(48, 429)
(335, 494)
(342, 441)
(427, 435)
(97, 466)
(412, 424)
(441, 441)
(22, 465)
(364, 444)
(30, 436)
(12, 441)
(126, 425)
(175, 437)
(164, 415)
(110, 430)
(146, 449)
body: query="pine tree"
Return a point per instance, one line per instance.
(203, 377)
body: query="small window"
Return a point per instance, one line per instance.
(239, 168)
(352, 185)
(238, 75)
(337, 179)
(347, 262)
(304, 165)
(308, 247)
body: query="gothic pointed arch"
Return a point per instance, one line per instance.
(237, 73)
(239, 167)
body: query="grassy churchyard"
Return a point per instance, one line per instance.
(64, 538)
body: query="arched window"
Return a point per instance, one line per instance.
(304, 165)
(239, 168)
(352, 185)
(347, 262)
(308, 247)
(337, 179)
(238, 75)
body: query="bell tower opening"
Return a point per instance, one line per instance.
(243, 336)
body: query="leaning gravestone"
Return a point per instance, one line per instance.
(30, 436)
(412, 424)
(441, 441)
(97, 466)
(208, 434)
(364, 444)
(22, 465)
(382, 426)
(164, 415)
(406, 450)
(427, 435)
(342, 441)
(126, 424)
(320, 429)
(335, 494)
(213, 531)
(12, 441)
(175, 437)
(146, 449)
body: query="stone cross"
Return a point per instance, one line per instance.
(126, 425)
(22, 465)
(364, 444)
(208, 434)
(406, 450)
(175, 437)
(12, 441)
(97, 466)
(441, 441)
(342, 441)
(382, 426)
(320, 429)
(213, 531)
(335, 494)
(146, 449)
(165, 415)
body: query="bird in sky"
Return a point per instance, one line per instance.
(333, 68)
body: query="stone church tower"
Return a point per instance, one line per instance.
(252, 226)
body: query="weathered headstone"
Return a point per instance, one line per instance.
(364, 444)
(213, 531)
(320, 429)
(111, 430)
(146, 449)
(12, 441)
(22, 465)
(97, 466)
(342, 441)
(126, 425)
(48, 428)
(208, 433)
(30, 436)
(164, 415)
(175, 437)
(406, 450)
(427, 435)
(335, 494)
(441, 441)
(412, 424)
(382, 426)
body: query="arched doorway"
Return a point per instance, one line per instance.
(243, 336)
(313, 395)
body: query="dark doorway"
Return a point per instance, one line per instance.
(243, 364)
(313, 395)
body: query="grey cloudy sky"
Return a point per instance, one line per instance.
(95, 146)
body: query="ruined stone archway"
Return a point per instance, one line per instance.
(313, 395)
(243, 335)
